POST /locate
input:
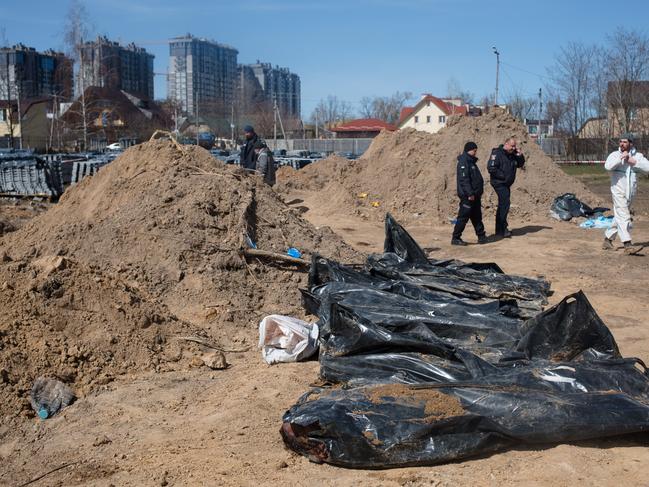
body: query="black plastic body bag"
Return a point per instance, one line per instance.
(421, 371)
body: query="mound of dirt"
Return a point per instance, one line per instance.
(413, 174)
(60, 318)
(315, 176)
(135, 254)
(173, 222)
(15, 213)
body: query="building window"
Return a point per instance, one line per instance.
(442, 119)
(416, 119)
(2, 116)
(427, 118)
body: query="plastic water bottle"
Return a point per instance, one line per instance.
(49, 396)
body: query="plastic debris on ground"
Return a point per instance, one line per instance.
(428, 361)
(568, 206)
(49, 396)
(599, 222)
(293, 252)
(287, 339)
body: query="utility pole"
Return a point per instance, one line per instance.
(83, 97)
(198, 81)
(538, 132)
(232, 123)
(497, 73)
(51, 141)
(281, 126)
(20, 116)
(274, 123)
(316, 123)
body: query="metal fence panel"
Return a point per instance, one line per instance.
(354, 146)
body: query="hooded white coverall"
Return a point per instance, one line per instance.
(623, 189)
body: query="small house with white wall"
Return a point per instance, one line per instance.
(430, 114)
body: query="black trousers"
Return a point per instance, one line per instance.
(503, 193)
(469, 210)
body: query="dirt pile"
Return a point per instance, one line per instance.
(413, 174)
(174, 222)
(101, 283)
(15, 213)
(62, 319)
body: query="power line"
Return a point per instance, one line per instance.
(526, 71)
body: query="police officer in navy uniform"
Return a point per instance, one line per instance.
(502, 165)
(469, 188)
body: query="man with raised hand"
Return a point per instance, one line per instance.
(502, 165)
(623, 164)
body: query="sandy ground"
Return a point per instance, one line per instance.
(15, 212)
(221, 427)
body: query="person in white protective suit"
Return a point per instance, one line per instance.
(623, 164)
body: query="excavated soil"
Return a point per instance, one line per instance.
(147, 250)
(413, 174)
(434, 402)
(174, 223)
(62, 319)
(14, 213)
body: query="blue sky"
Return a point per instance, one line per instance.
(351, 48)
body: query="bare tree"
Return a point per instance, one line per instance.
(571, 82)
(76, 31)
(627, 64)
(520, 105)
(366, 108)
(556, 109)
(331, 111)
(9, 91)
(486, 101)
(386, 108)
(455, 90)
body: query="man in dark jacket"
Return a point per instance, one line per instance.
(247, 158)
(469, 188)
(502, 165)
(265, 162)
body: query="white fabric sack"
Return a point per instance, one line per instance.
(287, 339)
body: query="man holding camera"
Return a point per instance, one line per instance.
(623, 164)
(502, 165)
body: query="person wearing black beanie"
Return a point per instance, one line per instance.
(247, 157)
(470, 186)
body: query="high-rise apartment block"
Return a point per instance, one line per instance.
(201, 73)
(271, 84)
(108, 64)
(26, 73)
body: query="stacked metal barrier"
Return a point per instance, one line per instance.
(24, 174)
(28, 175)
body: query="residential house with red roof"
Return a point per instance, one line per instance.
(430, 114)
(362, 128)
